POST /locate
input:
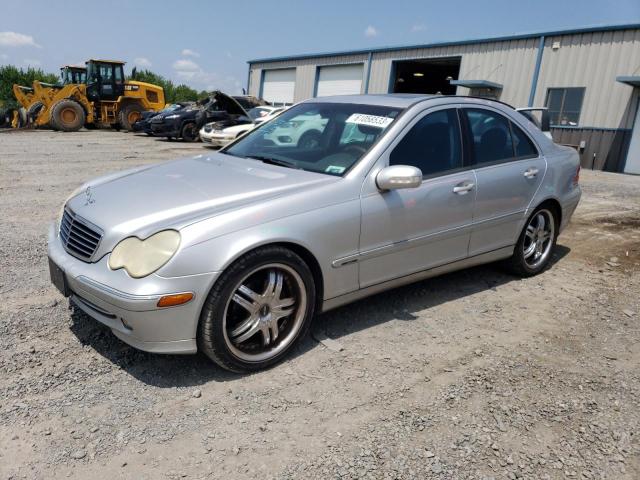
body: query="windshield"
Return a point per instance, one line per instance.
(318, 137)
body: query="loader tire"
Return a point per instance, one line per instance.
(22, 117)
(34, 111)
(129, 114)
(67, 115)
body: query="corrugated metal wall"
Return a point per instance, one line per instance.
(510, 63)
(305, 72)
(594, 60)
(605, 149)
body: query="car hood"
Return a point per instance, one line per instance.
(189, 112)
(178, 193)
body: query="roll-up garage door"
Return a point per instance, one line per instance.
(278, 85)
(339, 80)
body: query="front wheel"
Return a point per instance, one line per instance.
(67, 115)
(257, 310)
(128, 115)
(536, 243)
(190, 132)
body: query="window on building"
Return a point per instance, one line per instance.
(432, 144)
(564, 105)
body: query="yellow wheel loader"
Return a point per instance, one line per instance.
(32, 101)
(105, 99)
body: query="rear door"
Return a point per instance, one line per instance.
(509, 170)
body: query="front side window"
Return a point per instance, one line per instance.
(564, 105)
(323, 137)
(433, 144)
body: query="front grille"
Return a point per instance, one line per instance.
(79, 237)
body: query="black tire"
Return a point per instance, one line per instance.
(67, 115)
(23, 119)
(33, 111)
(518, 263)
(128, 115)
(189, 132)
(309, 139)
(3, 117)
(212, 338)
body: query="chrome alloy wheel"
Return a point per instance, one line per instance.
(265, 312)
(538, 239)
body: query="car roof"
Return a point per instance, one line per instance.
(403, 100)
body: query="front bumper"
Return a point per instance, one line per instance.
(215, 139)
(166, 128)
(128, 306)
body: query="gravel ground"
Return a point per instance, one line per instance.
(473, 375)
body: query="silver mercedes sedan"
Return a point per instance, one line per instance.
(234, 252)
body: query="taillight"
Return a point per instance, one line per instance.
(576, 177)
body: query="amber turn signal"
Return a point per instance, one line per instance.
(176, 299)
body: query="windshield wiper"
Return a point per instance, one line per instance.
(274, 161)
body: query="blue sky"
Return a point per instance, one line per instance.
(206, 44)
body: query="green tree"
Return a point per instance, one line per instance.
(10, 74)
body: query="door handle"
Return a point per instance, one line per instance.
(463, 188)
(531, 172)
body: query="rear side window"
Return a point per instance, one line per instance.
(523, 146)
(491, 136)
(432, 144)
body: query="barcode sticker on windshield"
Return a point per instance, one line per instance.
(369, 120)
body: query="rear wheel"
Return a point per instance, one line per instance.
(189, 132)
(536, 243)
(257, 310)
(129, 114)
(67, 115)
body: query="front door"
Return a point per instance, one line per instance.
(509, 171)
(410, 230)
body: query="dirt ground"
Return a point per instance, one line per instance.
(473, 375)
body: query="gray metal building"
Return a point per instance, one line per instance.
(589, 78)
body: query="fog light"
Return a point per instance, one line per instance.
(176, 299)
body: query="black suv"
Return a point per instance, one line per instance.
(186, 123)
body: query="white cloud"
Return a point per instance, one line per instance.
(187, 52)
(370, 31)
(142, 62)
(184, 65)
(13, 39)
(32, 62)
(418, 28)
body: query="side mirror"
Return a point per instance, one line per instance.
(398, 176)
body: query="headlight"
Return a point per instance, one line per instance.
(143, 257)
(171, 117)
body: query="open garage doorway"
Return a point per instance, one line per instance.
(429, 75)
